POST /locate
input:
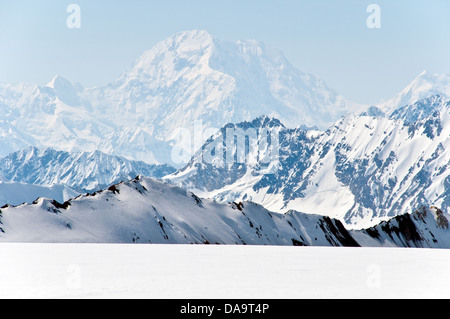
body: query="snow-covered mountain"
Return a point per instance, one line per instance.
(194, 76)
(248, 157)
(362, 170)
(366, 168)
(49, 116)
(145, 210)
(19, 193)
(422, 109)
(422, 87)
(83, 171)
(188, 79)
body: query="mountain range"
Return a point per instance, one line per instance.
(235, 123)
(362, 170)
(191, 77)
(81, 171)
(145, 210)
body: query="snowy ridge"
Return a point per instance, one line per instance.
(427, 227)
(422, 109)
(83, 171)
(145, 210)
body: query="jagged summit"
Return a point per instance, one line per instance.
(144, 210)
(147, 211)
(60, 83)
(422, 109)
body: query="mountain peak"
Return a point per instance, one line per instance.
(180, 52)
(422, 109)
(261, 122)
(67, 91)
(55, 81)
(181, 42)
(187, 41)
(424, 85)
(193, 35)
(425, 73)
(59, 83)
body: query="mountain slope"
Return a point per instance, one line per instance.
(248, 157)
(427, 227)
(362, 170)
(83, 171)
(144, 210)
(422, 109)
(49, 116)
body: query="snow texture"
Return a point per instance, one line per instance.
(221, 272)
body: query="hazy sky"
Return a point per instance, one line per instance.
(328, 38)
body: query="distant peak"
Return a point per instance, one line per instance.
(431, 78)
(262, 121)
(183, 44)
(56, 81)
(424, 76)
(194, 34)
(192, 37)
(424, 73)
(59, 82)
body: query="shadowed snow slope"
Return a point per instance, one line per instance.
(144, 210)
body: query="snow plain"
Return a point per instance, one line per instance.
(226, 272)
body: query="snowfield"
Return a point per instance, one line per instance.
(211, 272)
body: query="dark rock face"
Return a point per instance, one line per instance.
(427, 227)
(442, 221)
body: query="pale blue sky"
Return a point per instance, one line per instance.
(328, 38)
